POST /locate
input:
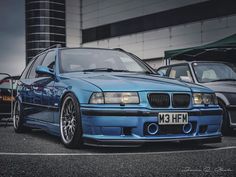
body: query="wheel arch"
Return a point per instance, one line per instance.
(64, 95)
(222, 98)
(74, 142)
(226, 116)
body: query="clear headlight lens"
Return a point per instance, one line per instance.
(121, 97)
(204, 98)
(97, 98)
(114, 98)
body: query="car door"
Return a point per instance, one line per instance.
(180, 72)
(30, 96)
(46, 85)
(22, 87)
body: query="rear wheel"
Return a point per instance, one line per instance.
(18, 118)
(225, 129)
(70, 122)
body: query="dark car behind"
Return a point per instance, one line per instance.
(6, 94)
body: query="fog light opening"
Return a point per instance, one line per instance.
(127, 130)
(187, 128)
(203, 129)
(152, 128)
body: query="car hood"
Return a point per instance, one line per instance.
(131, 82)
(222, 86)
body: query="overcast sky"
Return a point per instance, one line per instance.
(12, 36)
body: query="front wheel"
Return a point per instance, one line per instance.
(70, 122)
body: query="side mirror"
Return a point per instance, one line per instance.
(43, 70)
(185, 79)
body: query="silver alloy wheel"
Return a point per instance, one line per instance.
(16, 115)
(68, 120)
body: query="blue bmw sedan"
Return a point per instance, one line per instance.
(111, 97)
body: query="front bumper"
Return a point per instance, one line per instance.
(128, 126)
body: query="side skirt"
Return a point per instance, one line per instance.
(51, 128)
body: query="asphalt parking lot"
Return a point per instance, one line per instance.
(40, 154)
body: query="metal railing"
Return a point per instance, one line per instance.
(9, 77)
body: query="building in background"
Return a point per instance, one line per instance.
(146, 28)
(45, 25)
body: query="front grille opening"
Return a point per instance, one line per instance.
(169, 129)
(159, 100)
(175, 129)
(181, 100)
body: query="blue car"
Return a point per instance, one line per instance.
(111, 97)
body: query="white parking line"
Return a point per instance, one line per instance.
(112, 154)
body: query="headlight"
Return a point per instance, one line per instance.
(197, 98)
(97, 98)
(114, 98)
(204, 98)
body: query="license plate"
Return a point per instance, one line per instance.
(7, 98)
(172, 118)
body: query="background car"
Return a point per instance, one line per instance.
(111, 97)
(219, 76)
(7, 94)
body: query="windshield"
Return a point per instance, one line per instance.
(92, 60)
(211, 72)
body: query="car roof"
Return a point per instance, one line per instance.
(63, 48)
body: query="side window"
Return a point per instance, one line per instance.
(49, 60)
(180, 72)
(23, 75)
(37, 62)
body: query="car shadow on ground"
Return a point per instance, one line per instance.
(233, 133)
(151, 147)
(44, 137)
(147, 147)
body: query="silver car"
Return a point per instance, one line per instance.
(218, 76)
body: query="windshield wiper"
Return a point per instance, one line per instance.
(104, 70)
(223, 80)
(113, 70)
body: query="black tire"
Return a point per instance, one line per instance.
(70, 122)
(225, 128)
(18, 118)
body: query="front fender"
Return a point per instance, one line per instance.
(80, 88)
